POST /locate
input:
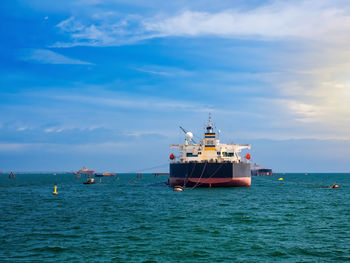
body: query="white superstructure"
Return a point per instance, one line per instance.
(209, 149)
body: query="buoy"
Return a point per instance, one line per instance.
(280, 179)
(55, 190)
(178, 188)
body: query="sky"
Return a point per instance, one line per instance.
(106, 83)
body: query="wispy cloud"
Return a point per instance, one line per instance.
(119, 100)
(164, 71)
(111, 30)
(53, 129)
(57, 147)
(45, 56)
(309, 20)
(154, 72)
(22, 128)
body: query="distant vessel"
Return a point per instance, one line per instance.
(12, 175)
(209, 163)
(90, 181)
(257, 170)
(104, 174)
(85, 171)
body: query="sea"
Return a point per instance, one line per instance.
(130, 219)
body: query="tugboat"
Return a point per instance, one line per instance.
(209, 163)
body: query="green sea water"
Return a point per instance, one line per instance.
(294, 220)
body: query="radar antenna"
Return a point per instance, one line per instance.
(188, 134)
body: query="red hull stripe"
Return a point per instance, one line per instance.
(237, 181)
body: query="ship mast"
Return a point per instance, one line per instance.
(210, 125)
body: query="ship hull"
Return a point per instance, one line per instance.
(206, 174)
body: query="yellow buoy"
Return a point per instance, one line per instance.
(55, 190)
(280, 179)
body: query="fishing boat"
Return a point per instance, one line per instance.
(209, 163)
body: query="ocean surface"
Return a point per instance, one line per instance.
(119, 220)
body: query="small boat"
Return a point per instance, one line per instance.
(12, 175)
(334, 186)
(90, 181)
(178, 188)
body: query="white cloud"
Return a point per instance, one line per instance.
(53, 129)
(54, 147)
(9, 147)
(22, 128)
(310, 20)
(141, 103)
(154, 72)
(164, 71)
(45, 56)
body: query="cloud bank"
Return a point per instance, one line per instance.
(309, 20)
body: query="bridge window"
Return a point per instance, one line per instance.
(190, 155)
(227, 154)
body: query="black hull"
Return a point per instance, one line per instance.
(207, 174)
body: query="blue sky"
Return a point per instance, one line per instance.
(106, 83)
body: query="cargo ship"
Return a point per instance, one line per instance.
(257, 170)
(105, 174)
(209, 163)
(85, 171)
